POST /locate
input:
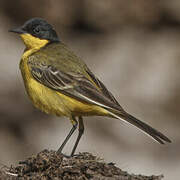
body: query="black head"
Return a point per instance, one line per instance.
(39, 28)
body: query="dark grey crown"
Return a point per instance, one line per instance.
(40, 28)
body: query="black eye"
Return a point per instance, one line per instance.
(37, 30)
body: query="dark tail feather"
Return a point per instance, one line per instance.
(156, 135)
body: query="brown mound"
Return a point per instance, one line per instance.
(49, 165)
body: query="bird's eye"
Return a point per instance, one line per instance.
(37, 30)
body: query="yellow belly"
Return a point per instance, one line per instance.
(53, 102)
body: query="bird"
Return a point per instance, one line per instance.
(59, 82)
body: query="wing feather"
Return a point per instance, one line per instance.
(75, 85)
(104, 90)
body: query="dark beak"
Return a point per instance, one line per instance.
(18, 30)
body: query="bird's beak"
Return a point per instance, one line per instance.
(18, 30)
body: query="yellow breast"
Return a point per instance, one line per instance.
(41, 96)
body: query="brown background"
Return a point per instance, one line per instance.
(133, 47)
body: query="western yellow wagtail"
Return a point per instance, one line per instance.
(59, 82)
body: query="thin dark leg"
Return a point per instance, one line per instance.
(81, 131)
(74, 122)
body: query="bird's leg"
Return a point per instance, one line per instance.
(74, 123)
(81, 131)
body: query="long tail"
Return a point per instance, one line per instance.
(153, 133)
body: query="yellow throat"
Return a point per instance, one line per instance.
(32, 42)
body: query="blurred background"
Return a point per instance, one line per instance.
(133, 47)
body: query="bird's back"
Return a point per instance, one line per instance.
(61, 57)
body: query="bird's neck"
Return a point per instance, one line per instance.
(33, 43)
